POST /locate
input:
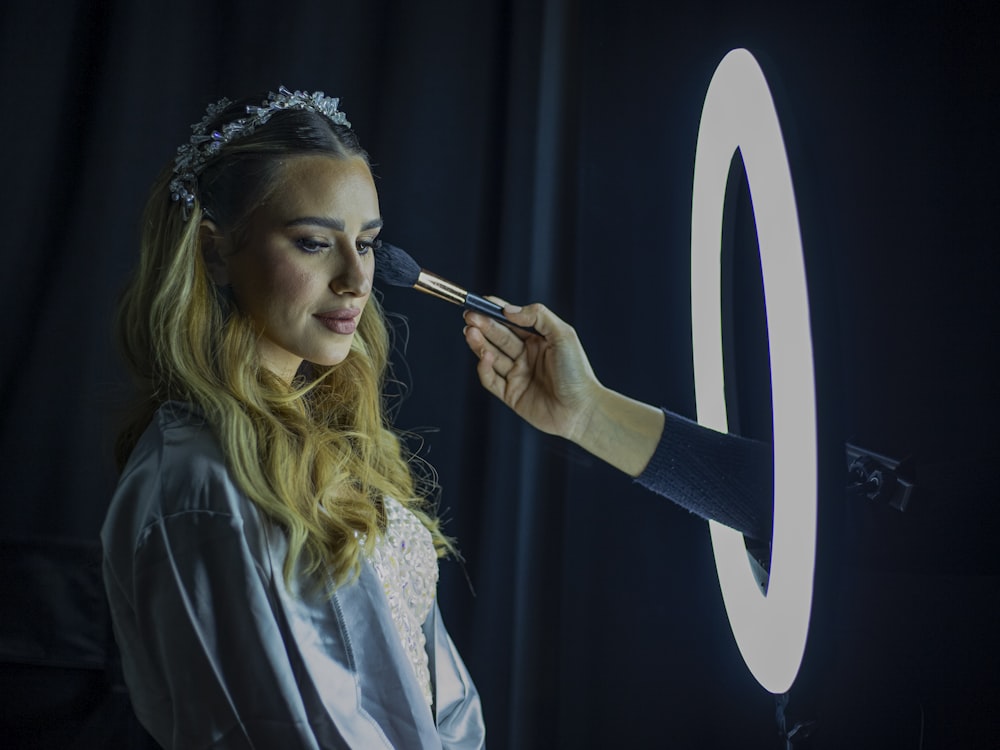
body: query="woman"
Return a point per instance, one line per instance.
(270, 564)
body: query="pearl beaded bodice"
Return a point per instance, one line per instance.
(406, 563)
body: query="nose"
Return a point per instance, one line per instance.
(351, 274)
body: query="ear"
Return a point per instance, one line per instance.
(212, 245)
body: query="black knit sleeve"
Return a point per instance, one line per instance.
(717, 476)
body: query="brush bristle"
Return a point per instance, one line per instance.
(393, 266)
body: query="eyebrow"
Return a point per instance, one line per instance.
(335, 224)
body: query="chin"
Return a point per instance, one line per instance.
(330, 360)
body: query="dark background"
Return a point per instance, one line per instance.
(544, 151)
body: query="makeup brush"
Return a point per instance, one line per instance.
(396, 268)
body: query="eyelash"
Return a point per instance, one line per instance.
(371, 245)
(311, 246)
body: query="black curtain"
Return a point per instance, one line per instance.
(544, 151)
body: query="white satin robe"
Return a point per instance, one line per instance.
(219, 653)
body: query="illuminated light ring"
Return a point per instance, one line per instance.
(739, 112)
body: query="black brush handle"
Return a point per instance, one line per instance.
(493, 310)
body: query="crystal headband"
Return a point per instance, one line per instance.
(199, 150)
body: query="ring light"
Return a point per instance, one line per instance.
(739, 113)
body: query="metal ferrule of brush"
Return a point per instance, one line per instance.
(433, 284)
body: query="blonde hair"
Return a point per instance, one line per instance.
(317, 456)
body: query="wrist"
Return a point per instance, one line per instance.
(590, 419)
(621, 431)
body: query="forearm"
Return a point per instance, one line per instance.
(718, 476)
(721, 477)
(621, 431)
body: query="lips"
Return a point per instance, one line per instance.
(343, 321)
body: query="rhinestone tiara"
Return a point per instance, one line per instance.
(203, 145)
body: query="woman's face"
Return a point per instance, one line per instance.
(303, 269)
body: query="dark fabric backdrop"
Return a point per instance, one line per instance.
(544, 151)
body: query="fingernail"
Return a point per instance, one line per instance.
(512, 308)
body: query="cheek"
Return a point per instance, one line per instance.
(291, 282)
(273, 287)
(286, 285)
(370, 270)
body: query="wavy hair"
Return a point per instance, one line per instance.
(316, 456)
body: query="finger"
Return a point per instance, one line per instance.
(505, 340)
(520, 330)
(488, 376)
(539, 317)
(480, 345)
(535, 315)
